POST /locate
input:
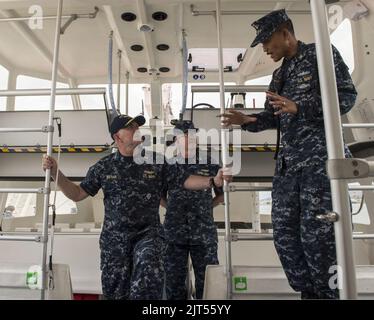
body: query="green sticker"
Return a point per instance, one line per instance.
(32, 278)
(240, 283)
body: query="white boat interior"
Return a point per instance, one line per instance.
(148, 65)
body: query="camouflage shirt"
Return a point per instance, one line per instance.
(303, 136)
(132, 194)
(189, 216)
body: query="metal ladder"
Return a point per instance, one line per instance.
(49, 129)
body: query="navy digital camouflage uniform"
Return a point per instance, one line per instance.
(301, 188)
(131, 241)
(189, 228)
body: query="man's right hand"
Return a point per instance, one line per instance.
(49, 163)
(236, 117)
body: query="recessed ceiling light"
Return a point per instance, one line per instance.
(164, 69)
(162, 47)
(159, 16)
(128, 16)
(142, 69)
(136, 47)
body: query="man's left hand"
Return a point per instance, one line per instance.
(281, 104)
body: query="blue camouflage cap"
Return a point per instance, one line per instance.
(183, 125)
(267, 25)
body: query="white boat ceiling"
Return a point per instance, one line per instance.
(84, 45)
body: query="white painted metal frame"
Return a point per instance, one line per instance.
(47, 92)
(251, 236)
(240, 88)
(335, 149)
(224, 154)
(47, 181)
(74, 16)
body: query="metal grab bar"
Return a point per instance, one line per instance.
(43, 129)
(241, 189)
(361, 188)
(22, 190)
(268, 236)
(21, 238)
(358, 125)
(90, 15)
(256, 88)
(47, 92)
(253, 189)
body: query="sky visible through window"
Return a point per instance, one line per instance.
(4, 75)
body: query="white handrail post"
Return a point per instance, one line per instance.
(224, 155)
(119, 55)
(49, 146)
(335, 148)
(127, 92)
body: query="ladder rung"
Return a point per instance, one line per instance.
(361, 188)
(22, 190)
(20, 238)
(358, 125)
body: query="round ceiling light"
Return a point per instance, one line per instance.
(164, 69)
(142, 69)
(159, 16)
(136, 47)
(162, 47)
(128, 16)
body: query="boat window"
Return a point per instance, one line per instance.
(256, 100)
(264, 202)
(63, 204)
(359, 216)
(357, 200)
(4, 74)
(136, 97)
(20, 205)
(40, 102)
(206, 59)
(342, 39)
(172, 96)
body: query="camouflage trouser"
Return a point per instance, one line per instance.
(134, 272)
(176, 259)
(305, 245)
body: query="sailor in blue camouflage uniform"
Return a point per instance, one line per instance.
(301, 188)
(131, 240)
(189, 223)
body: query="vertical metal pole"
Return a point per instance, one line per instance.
(49, 146)
(12, 84)
(335, 148)
(256, 216)
(75, 97)
(119, 54)
(224, 154)
(127, 93)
